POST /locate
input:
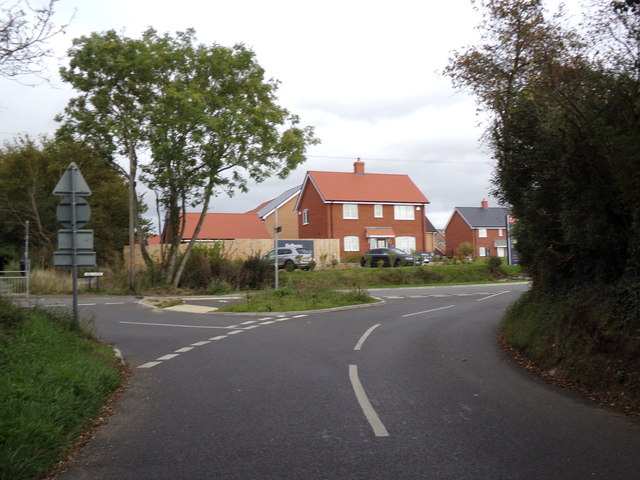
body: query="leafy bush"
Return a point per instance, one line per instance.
(351, 257)
(494, 266)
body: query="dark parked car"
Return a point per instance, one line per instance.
(386, 255)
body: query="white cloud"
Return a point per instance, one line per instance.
(363, 72)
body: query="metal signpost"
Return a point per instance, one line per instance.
(73, 212)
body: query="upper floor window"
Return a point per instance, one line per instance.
(404, 212)
(350, 211)
(377, 211)
(482, 233)
(305, 216)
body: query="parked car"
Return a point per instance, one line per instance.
(386, 255)
(423, 258)
(291, 257)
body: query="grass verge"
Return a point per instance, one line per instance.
(289, 300)
(54, 379)
(401, 276)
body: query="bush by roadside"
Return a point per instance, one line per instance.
(54, 379)
(586, 338)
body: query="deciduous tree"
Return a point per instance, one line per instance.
(206, 115)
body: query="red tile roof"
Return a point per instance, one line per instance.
(221, 226)
(370, 187)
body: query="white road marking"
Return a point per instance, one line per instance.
(283, 319)
(184, 349)
(173, 325)
(234, 332)
(251, 327)
(364, 337)
(114, 303)
(86, 304)
(262, 319)
(169, 357)
(248, 323)
(268, 322)
(428, 311)
(494, 295)
(149, 364)
(300, 316)
(199, 344)
(378, 427)
(219, 337)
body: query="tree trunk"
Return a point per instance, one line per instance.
(178, 274)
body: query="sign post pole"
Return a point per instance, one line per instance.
(75, 245)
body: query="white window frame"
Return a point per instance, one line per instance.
(406, 244)
(350, 211)
(482, 252)
(351, 244)
(377, 210)
(404, 212)
(305, 216)
(482, 233)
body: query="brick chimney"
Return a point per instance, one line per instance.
(485, 203)
(358, 167)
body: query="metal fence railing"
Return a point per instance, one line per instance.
(14, 283)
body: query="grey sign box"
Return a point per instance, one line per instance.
(65, 259)
(84, 239)
(72, 181)
(64, 210)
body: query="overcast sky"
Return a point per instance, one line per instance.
(365, 74)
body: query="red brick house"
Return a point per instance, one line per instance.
(485, 227)
(362, 210)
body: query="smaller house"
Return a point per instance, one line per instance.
(283, 207)
(224, 226)
(434, 240)
(485, 227)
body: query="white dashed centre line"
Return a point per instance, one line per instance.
(491, 296)
(219, 337)
(378, 427)
(169, 357)
(149, 364)
(184, 349)
(428, 311)
(365, 336)
(234, 332)
(199, 344)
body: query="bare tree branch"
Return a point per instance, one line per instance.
(24, 33)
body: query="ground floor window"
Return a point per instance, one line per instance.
(351, 244)
(502, 251)
(406, 244)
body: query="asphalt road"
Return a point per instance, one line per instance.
(416, 388)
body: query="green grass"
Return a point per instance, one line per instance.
(287, 300)
(53, 380)
(401, 276)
